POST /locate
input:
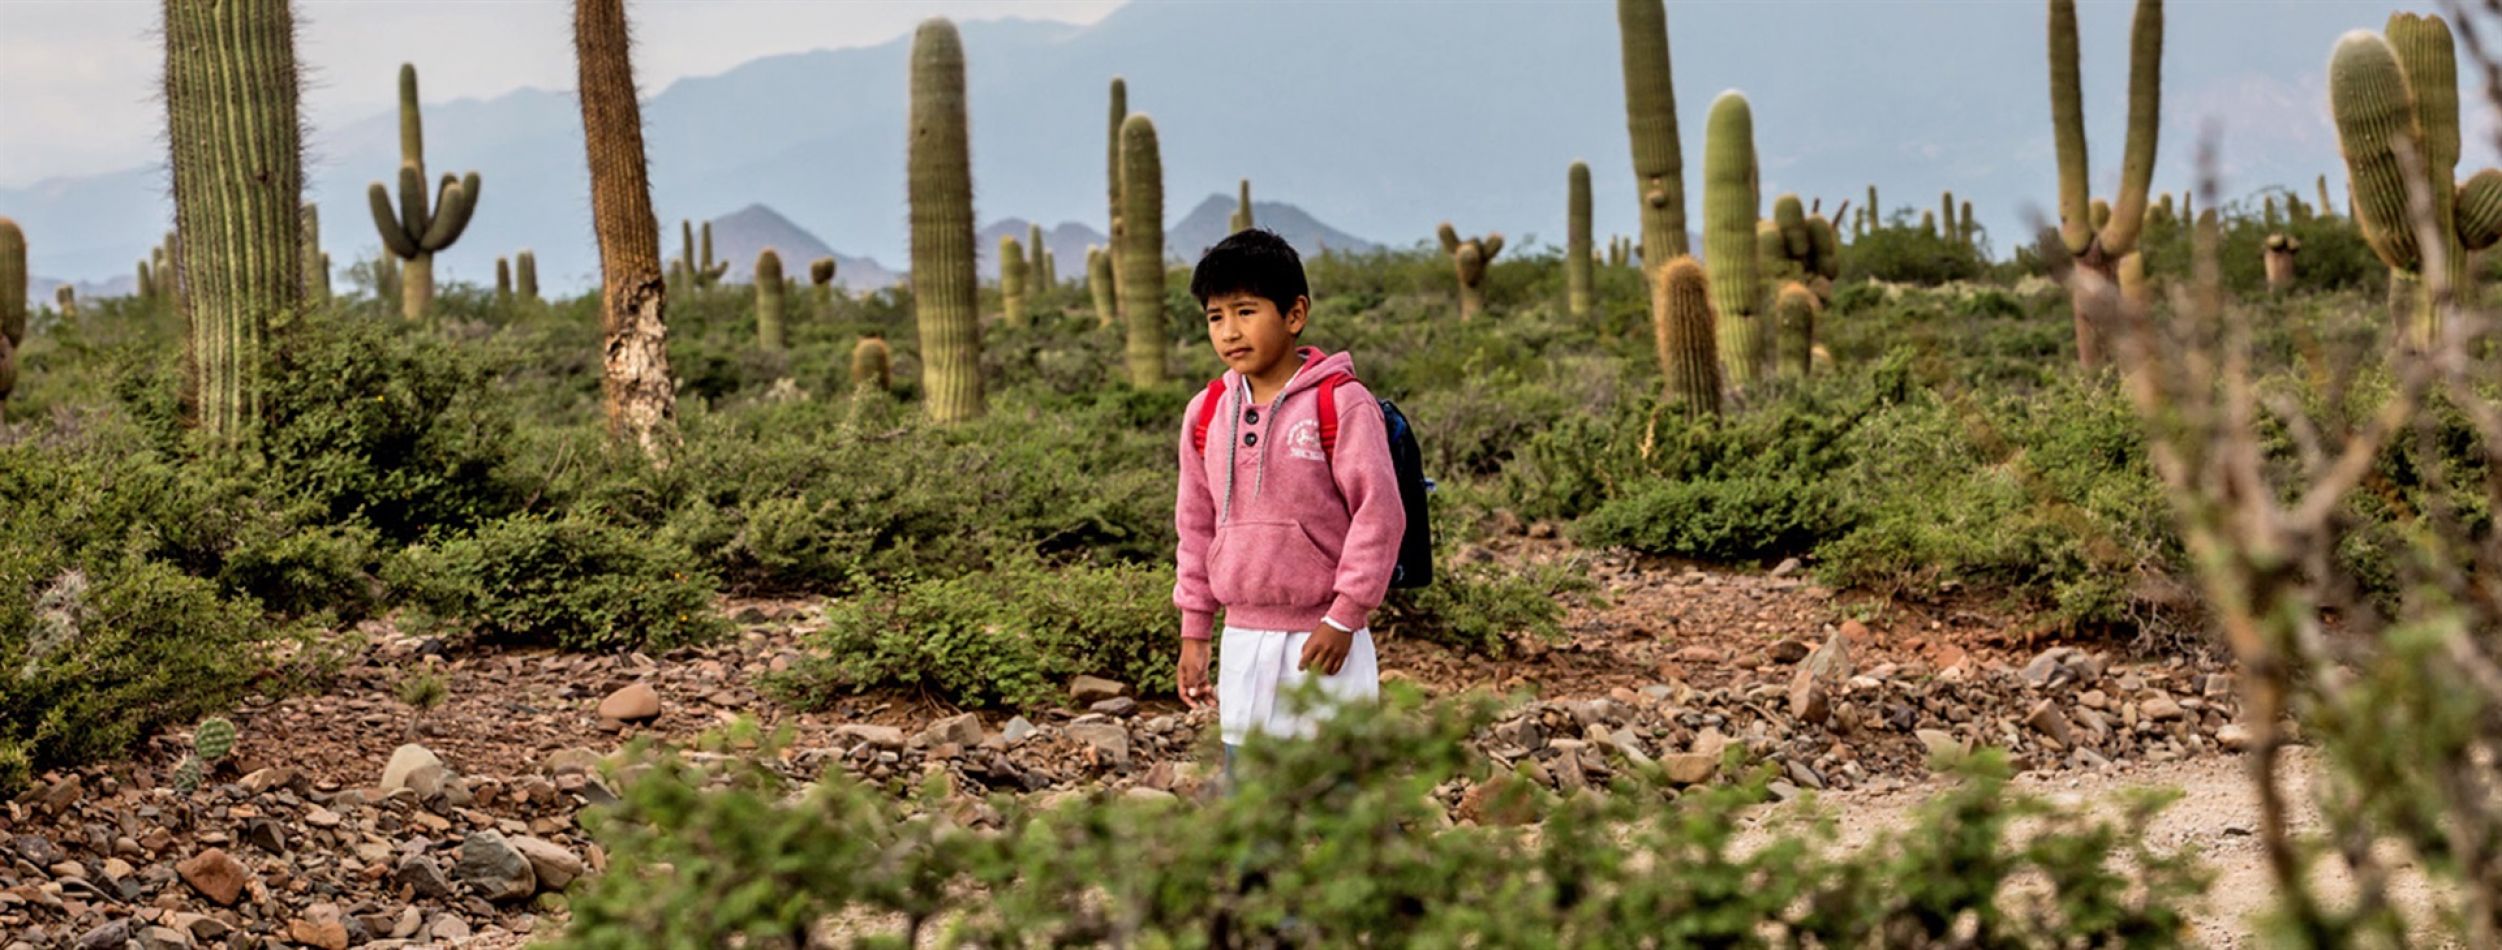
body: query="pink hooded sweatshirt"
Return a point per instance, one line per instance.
(1272, 530)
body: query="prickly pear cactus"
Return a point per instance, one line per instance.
(187, 775)
(213, 738)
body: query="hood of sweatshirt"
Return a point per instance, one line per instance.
(1316, 367)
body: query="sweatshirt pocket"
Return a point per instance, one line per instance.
(1268, 563)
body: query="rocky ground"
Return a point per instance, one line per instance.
(352, 818)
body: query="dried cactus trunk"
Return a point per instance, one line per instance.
(1651, 121)
(230, 101)
(1139, 264)
(526, 275)
(941, 189)
(769, 301)
(1013, 271)
(635, 385)
(413, 231)
(1241, 219)
(1577, 262)
(1794, 311)
(1099, 285)
(1470, 258)
(1730, 201)
(1683, 326)
(2098, 248)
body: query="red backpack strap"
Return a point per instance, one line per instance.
(1207, 415)
(1329, 412)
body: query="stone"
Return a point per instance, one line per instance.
(2159, 707)
(1689, 768)
(637, 703)
(1088, 690)
(1116, 706)
(1818, 677)
(2050, 722)
(1499, 800)
(110, 935)
(2046, 666)
(448, 929)
(492, 867)
(319, 927)
(1787, 567)
(1808, 700)
(1786, 652)
(882, 737)
(1939, 742)
(962, 729)
(2234, 737)
(574, 761)
(266, 835)
(1857, 632)
(1108, 739)
(423, 877)
(320, 817)
(216, 875)
(554, 864)
(59, 796)
(163, 938)
(1018, 729)
(405, 760)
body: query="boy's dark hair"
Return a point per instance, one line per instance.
(1252, 261)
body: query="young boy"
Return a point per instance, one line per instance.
(1293, 538)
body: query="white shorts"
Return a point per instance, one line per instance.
(1256, 678)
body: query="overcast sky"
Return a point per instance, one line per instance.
(81, 75)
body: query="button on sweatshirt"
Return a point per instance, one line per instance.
(1275, 532)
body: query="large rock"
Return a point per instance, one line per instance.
(491, 866)
(1108, 740)
(2160, 707)
(883, 737)
(554, 864)
(216, 875)
(2050, 722)
(405, 760)
(963, 729)
(1088, 690)
(319, 927)
(1817, 679)
(637, 704)
(423, 876)
(1939, 742)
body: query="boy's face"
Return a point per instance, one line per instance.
(1249, 334)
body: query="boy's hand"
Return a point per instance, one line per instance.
(1195, 691)
(1327, 649)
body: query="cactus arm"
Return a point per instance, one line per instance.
(2145, 119)
(413, 202)
(2067, 121)
(387, 222)
(2368, 97)
(2480, 210)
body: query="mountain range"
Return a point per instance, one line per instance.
(1382, 118)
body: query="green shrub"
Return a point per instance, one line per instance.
(1908, 255)
(1339, 841)
(1012, 635)
(575, 582)
(1750, 517)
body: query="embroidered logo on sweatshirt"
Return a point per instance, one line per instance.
(1303, 441)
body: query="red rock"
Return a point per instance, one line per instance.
(216, 875)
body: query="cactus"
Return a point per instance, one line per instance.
(186, 777)
(1140, 252)
(1683, 327)
(1013, 271)
(1099, 284)
(941, 189)
(412, 231)
(821, 276)
(213, 739)
(316, 264)
(65, 300)
(1651, 122)
(1038, 264)
(230, 102)
(1112, 171)
(769, 289)
(2388, 95)
(1794, 318)
(870, 364)
(1797, 245)
(1730, 203)
(2277, 254)
(1050, 269)
(637, 394)
(12, 303)
(146, 284)
(386, 277)
(503, 282)
(526, 275)
(1241, 219)
(1965, 229)
(2326, 207)
(2098, 247)
(1928, 223)
(1946, 208)
(1469, 259)
(1577, 277)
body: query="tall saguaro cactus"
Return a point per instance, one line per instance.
(2098, 248)
(1241, 220)
(769, 290)
(2388, 95)
(940, 182)
(1577, 263)
(1139, 257)
(526, 275)
(1112, 166)
(640, 399)
(230, 103)
(12, 304)
(1731, 198)
(1099, 285)
(1651, 120)
(1682, 324)
(1470, 258)
(1014, 272)
(1037, 262)
(412, 231)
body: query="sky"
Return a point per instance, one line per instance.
(82, 75)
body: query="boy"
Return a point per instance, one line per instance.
(1294, 535)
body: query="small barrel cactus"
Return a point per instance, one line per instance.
(1684, 329)
(213, 738)
(871, 365)
(1014, 271)
(1794, 319)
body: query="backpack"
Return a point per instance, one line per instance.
(1415, 564)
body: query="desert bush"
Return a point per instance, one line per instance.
(579, 582)
(1341, 841)
(1908, 255)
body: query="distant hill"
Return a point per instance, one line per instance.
(739, 236)
(1213, 219)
